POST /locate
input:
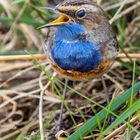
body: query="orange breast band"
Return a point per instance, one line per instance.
(75, 75)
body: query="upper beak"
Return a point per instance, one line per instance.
(62, 19)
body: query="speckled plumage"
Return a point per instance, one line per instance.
(81, 48)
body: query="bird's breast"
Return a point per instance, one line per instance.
(76, 55)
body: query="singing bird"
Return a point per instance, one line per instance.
(80, 43)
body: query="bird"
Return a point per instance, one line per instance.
(80, 43)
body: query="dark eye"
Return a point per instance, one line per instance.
(81, 13)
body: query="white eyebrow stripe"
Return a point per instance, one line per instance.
(89, 8)
(73, 8)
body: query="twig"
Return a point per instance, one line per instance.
(43, 57)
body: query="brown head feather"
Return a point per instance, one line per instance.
(76, 2)
(93, 15)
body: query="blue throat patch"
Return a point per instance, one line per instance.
(71, 53)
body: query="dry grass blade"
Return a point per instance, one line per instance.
(43, 57)
(121, 129)
(123, 13)
(22, 57)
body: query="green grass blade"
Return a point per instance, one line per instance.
(92, 123)
(21, 20)
(17, 1)
(128, 112)
(129, 66)
(51, 79)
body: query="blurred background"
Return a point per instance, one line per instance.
(21, 82)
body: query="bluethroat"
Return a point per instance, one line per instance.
(80, 42)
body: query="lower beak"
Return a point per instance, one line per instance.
(62, 19)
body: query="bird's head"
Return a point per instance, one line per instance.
(79, 11)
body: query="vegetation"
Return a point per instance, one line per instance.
(31, 92)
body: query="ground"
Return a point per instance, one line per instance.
(25, 85)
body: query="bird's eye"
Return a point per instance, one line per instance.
(81, 13)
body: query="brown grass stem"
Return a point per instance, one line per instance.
(43, 57)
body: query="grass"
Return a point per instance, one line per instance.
(30, 89)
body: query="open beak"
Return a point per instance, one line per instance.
(62, 19)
